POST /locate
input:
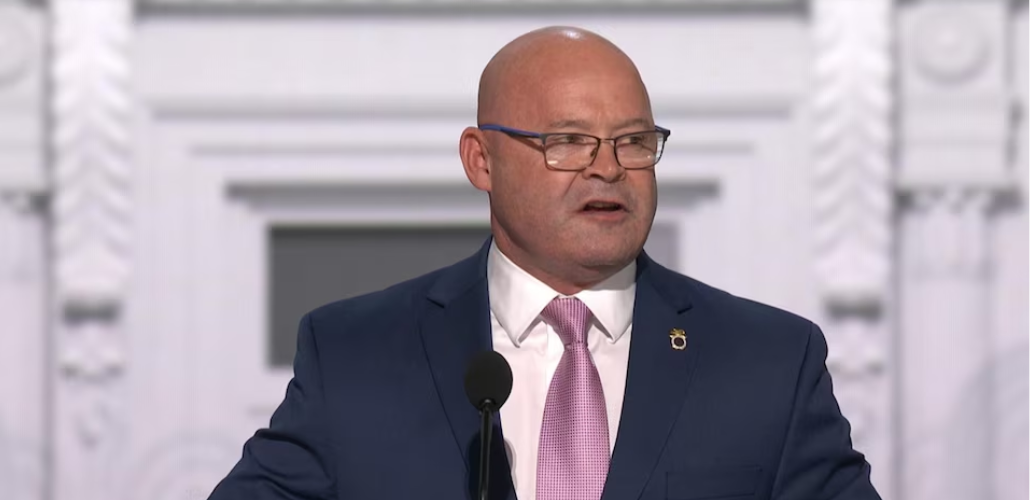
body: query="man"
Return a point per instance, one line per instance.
(630, 381)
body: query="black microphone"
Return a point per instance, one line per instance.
(488, 385)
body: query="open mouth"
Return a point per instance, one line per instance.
(603, 206)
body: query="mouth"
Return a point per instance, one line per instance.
(603, 206)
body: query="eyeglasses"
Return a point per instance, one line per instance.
(562, 151)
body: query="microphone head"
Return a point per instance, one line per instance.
(488, 380)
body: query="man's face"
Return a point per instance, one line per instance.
(592, 219)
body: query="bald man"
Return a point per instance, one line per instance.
(630, 381)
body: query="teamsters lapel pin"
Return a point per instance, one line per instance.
(678, 338)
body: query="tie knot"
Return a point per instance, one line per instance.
(570, 318)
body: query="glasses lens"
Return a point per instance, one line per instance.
(569, 151)
(640, 150)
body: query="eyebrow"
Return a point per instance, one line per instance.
(584, 125)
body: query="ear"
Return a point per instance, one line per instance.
(475, 158)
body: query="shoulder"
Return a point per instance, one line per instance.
(739, 318)
(743, 311)
(740, 335)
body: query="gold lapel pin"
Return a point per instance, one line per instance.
(678, 338)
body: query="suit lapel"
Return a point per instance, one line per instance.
(657, 379)
(454, 326)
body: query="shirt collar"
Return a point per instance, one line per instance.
(517, 298)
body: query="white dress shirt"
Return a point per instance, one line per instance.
(533, 350)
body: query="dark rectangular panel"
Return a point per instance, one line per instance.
(314, 266)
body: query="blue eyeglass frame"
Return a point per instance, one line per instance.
(543, 138)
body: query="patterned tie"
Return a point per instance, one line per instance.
(574, 453)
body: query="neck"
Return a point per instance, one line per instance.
(564, 281)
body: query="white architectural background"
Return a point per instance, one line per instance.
(875, 151)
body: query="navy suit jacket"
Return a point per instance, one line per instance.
(377, 408)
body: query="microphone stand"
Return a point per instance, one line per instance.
(486, 430)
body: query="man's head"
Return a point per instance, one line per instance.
(570, 229)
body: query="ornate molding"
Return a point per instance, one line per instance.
(949, 47)
(769, 106)
(950, 44)
(92, 225)
(91, 356)
(852, 110)
(91, 146)
(950, 239)
(957, 98)
(437, 4)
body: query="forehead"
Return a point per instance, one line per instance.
(589, 97)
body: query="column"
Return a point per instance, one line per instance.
(954, 168)
(852, 111)
(91, 244)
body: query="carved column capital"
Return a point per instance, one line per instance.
(949, 233)
(852, 109)
(957, 107)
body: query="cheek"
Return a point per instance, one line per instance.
(526, 196)
(646, 191)
(534, 189)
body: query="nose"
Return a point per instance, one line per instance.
(605, 166)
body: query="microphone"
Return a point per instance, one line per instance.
(487, 384)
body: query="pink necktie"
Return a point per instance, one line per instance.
(574, 453)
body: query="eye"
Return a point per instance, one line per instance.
(635, 139)
(568, 139)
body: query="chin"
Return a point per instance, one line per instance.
(609, 256)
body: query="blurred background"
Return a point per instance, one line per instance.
(180, 180)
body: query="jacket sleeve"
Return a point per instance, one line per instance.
(818, 460)
(292, 458)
